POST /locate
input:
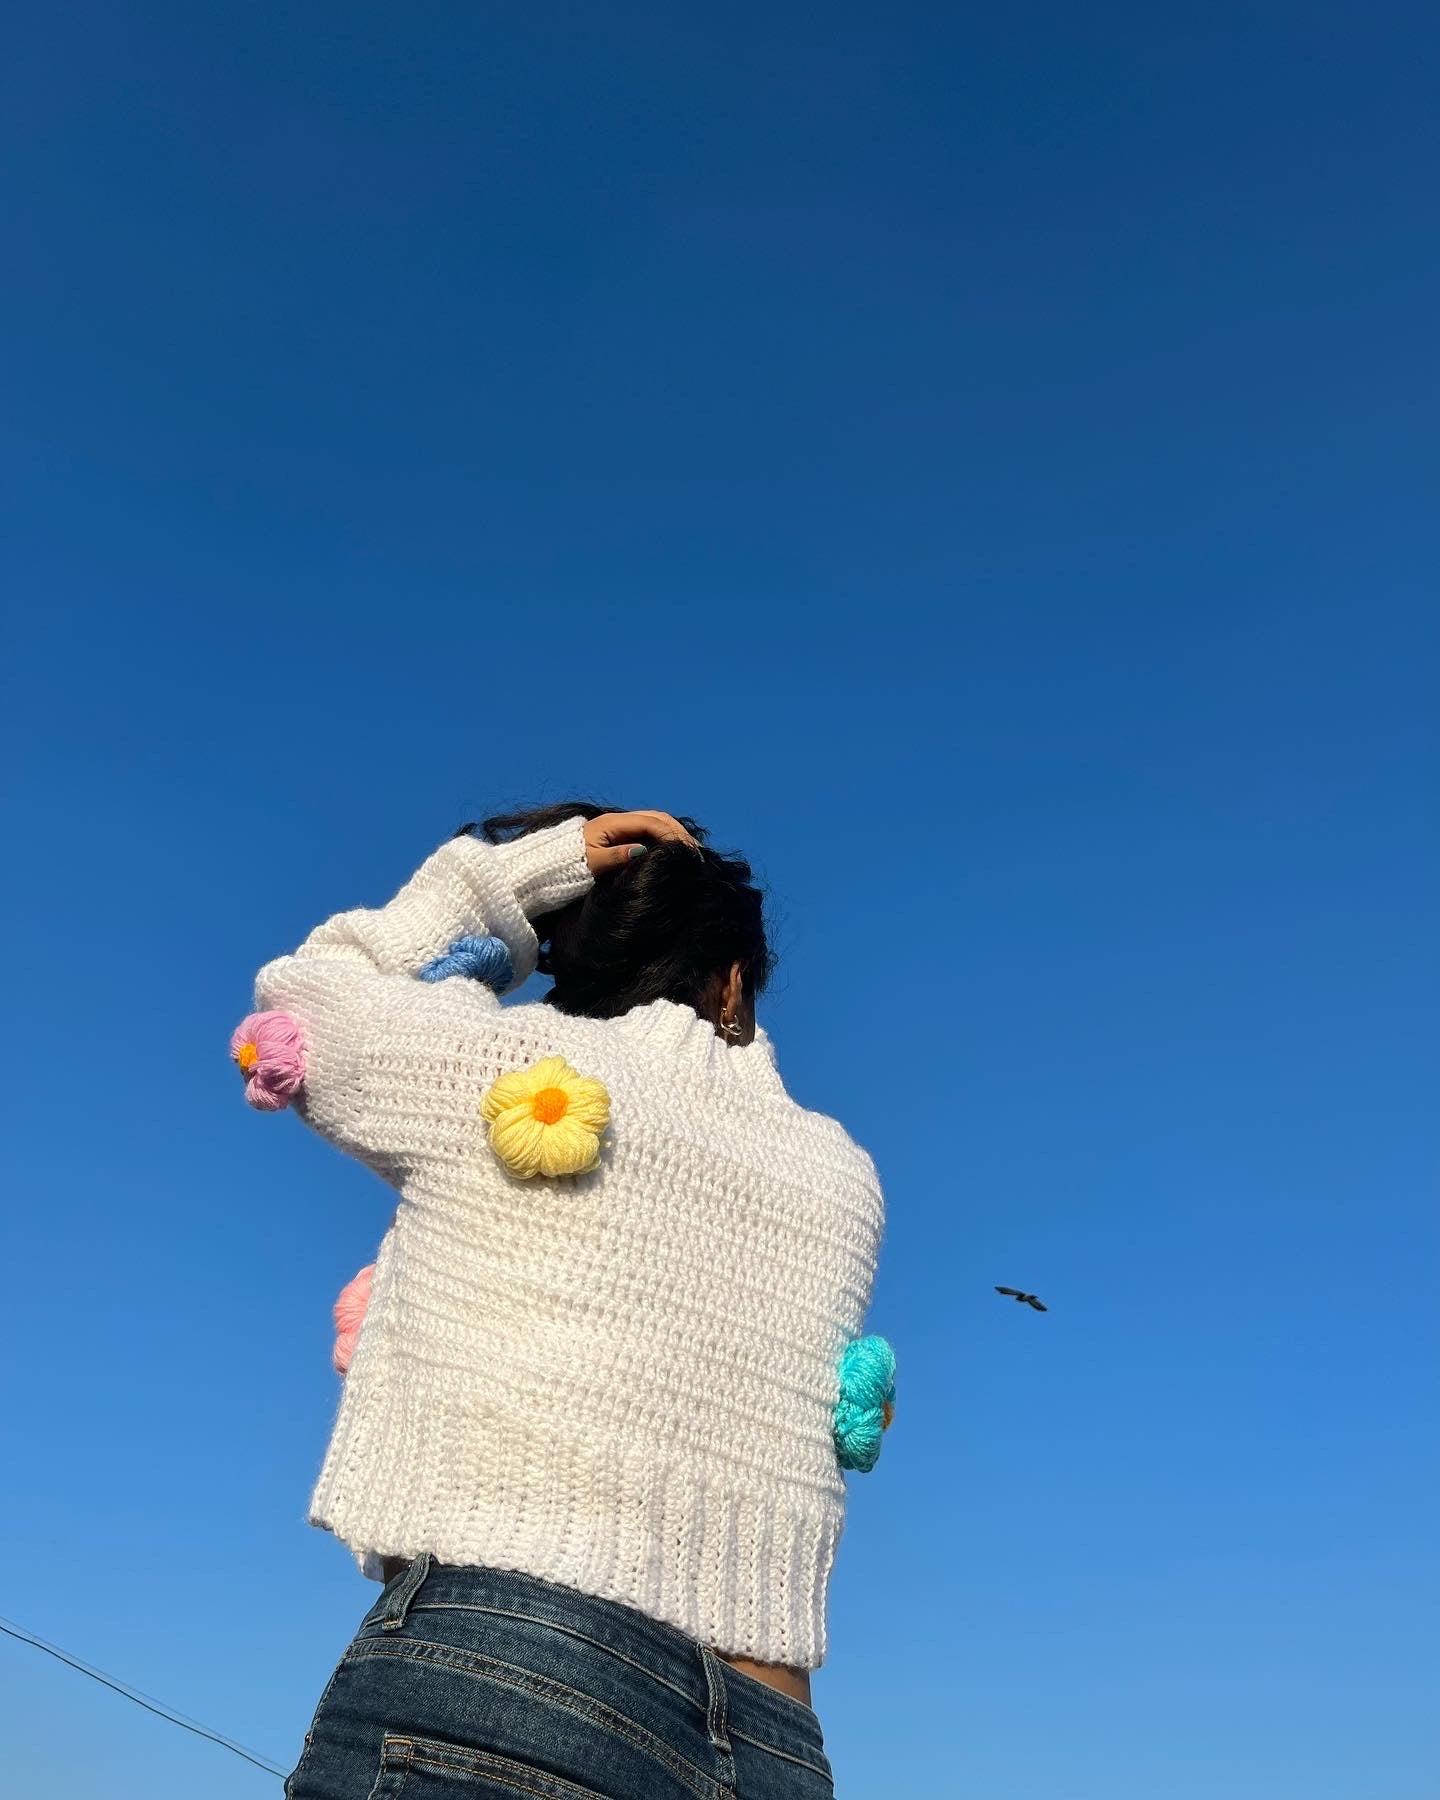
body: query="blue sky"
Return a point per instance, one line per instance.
(983, 467)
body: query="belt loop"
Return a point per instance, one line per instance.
(716, 1722)
(398, 1606)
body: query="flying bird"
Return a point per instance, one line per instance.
(1024, 1299)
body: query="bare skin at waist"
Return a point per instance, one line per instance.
(794, 1682)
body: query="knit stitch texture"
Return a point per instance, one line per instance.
(623, 1381)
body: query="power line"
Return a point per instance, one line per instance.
(157, 1707)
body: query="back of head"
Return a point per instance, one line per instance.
(669, 925)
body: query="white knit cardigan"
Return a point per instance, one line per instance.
(622, 1381)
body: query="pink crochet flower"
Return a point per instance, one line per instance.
(350, 1315)
(271, 1053)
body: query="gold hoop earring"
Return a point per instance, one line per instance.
(731, 1027)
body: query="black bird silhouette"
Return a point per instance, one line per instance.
(1026, 1299)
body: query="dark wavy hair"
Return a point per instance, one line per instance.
(665, 926)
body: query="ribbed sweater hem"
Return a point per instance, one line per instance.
(745, 1575)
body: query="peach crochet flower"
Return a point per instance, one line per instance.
(350, 1309)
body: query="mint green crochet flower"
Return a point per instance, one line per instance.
(866, 1404)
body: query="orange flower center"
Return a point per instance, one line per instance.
(247, 1056)
(887, 1413)
(550, 1105)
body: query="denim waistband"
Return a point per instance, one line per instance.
(756, 1711)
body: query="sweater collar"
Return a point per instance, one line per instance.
(666, 1028)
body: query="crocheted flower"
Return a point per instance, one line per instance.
(547, 1119)
(350, 1311)
(270, 1050)
(481, 958)
(866, 1404)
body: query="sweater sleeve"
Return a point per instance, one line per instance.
(359, 969)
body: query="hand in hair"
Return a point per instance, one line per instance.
(676, 928)
(613, 838)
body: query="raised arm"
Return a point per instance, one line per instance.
(357, 974)
(468, 888)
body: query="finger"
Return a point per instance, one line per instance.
(667, 826)
(630, 825)
(604, 858)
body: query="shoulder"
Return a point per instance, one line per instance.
(841, 1151)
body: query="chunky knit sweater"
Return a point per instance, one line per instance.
(621, 1380)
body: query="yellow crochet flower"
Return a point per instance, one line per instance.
(547, 1119)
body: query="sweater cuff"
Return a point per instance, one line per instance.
(547, 869)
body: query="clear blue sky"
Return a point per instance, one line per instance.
(981, 462)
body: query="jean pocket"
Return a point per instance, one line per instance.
(427, 1769)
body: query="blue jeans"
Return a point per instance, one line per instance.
(483, 1684)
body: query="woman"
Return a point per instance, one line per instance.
(587, 1432)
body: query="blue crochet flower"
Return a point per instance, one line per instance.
(866, 1404)
(481, 958)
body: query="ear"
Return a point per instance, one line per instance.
(732, 995)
